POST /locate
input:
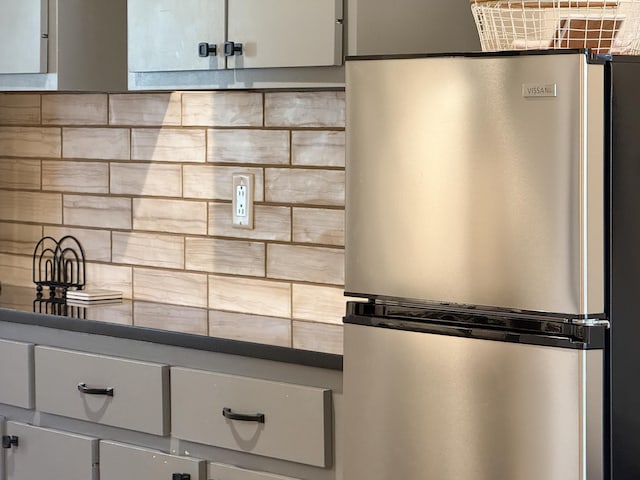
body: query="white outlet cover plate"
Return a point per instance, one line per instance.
(242, 200)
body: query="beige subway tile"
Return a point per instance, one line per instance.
(102, 212)
(319, 303)
(145, 109)
(319, 337)
(19, 239)
(304, 109)
(306, 186)
(270, 223)
(20, 173)
(74, 109)
(164, 286)
(19, 108)
(170, 317)
(30, 142)
(175, 216)
(250, 328)
(65, 176)
(95, 243)
(260, 297)
(318, 148)
(17, 297)
(215, 182)
(110, 277)
(16, 270)
(120, 313)
(34, 207)
(318, 225)
(222, 109)
(96, 143)
(307, 264)
(168, 145)
(237, 257)
(146, 179)
(151, 249)
(248, 146)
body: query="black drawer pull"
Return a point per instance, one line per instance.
(181, 476)
(95, 391)
(257, 417)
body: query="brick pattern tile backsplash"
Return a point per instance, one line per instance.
(143, 180)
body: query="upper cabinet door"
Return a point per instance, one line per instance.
(164, 35)
(285, 33)
(23, 36)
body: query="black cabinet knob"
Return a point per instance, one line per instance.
(232, 48)
(9, 440)
(207, 49)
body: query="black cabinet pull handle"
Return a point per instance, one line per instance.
(82, 387)
(206, 49)
(232, 48)
(257, 417)
(9, 440)
(181, 476)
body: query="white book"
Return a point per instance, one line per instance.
(92, 295)
(88, 303)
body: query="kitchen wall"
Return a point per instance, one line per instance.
(143, 180)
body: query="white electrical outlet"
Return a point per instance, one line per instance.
(242, 200)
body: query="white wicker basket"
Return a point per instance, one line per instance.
(604, 26)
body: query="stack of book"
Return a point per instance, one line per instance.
(93, 297)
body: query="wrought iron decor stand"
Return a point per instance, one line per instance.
(60, 266)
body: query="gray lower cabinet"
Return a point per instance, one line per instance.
(274, 419)
(39, 453)
(106, 390)
(120, 461)
(16, 373)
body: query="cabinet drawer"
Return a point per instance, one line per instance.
(218, 471)
(119, 461)
(296, 421)
(16, 373)
(45, 453)
(137, 396)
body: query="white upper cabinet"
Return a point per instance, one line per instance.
(164, 35)
(285, 33)
(23, 36)
(190, 35)
(63, 45)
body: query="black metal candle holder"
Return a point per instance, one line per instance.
(58, 265)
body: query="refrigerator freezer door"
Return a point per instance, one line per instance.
(439, 407)
(477, 180)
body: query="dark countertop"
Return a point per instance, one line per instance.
(20, 305)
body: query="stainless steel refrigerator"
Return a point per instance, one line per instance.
(492, 212)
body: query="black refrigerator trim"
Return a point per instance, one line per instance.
(623, 267)
(486, 326)
(606, 358)
(592, 57)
